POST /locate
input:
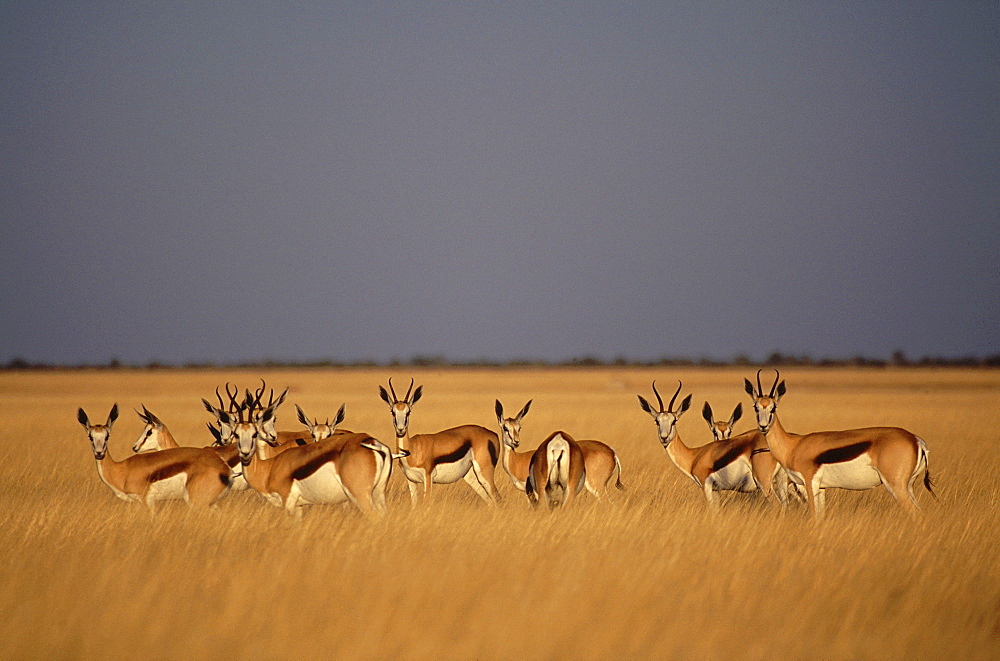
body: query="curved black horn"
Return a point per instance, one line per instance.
(777, 375)
(760, 389)
(409, 390)
(672, 399)
(658, 398)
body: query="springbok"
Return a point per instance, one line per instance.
(253, 410)
(557, 471)
(718, 466)
(467, 452)
(156, 436)
(195, 475)
(600, 459)
(322, 430)
(343, 468)
(854, 459)
(747, 451)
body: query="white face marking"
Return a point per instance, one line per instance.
(764, 407)
(400, 417)
(666, 426)
(99, 440)
(246, 440)
(148, 441)
(511, 432)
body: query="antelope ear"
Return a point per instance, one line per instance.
(749, 388)
(416, 395)
(81, 415)
(737, 414)
(706, 412)
(224, 416)
(645, 405)
(498, 408)
(152, 418)
(208, 407)
(781, 390)
(280, 399)
(685, 405)
(340, 415)
(113, 415)
(524, 411)
(384, 395)
(216, 434)
(302, 417)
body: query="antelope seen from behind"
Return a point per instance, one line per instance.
(600, 460)
(556, 473)
(855, 459)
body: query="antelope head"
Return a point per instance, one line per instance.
(321, 430)
(400, 408)
(721, 429)
(511, 427)
(149, 439)
(264, 416)
(766, 406)
(666, 417)
(98, 434)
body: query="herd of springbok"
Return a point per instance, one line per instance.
(325, 465)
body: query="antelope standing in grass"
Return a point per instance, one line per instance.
(156, 436)
(467, 452)
(557, 472)
(854, 459)
(196, 475)
(342, 468)
(719, 466)
(600, 460)
(735, 456)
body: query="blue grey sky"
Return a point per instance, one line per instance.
(227, 182)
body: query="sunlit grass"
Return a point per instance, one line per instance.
(656, 576)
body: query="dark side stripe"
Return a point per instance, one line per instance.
(726, 459)
(313, 465)
(846, 453)
(494, 453)
(169, 471)
(452, 457)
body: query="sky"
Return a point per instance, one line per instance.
(230, 182)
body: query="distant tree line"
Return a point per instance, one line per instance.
(776, 359)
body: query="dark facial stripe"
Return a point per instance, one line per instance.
(307, 469)
(726, 459)
(846, 453)
(169, 471)
(457, 455)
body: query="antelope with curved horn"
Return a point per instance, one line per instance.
(855, 459)
(557, 472)
(468, 452)
(718, 466)
(342, 468)
(195, 475)
(600, 459)
(156, 436)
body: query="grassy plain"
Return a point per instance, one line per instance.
(85, 575)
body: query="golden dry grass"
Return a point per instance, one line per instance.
(87, 575)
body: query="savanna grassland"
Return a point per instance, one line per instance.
(86, 575)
